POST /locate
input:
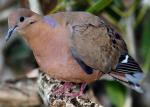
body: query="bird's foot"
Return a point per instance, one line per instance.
(77, 94)
(66, 86)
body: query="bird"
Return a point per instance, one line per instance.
(76, 47)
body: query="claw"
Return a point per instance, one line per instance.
(66, 86)
(77, 94)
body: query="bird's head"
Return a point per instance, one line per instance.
(19, 20)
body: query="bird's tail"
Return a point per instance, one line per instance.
(130, 80)
(128, 72)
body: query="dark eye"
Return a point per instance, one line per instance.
(21, 19)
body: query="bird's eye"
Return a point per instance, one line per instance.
(21, 19)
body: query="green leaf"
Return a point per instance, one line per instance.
(145, 43)
(146, 65)
(116, 92)
(118, 3)
(99, 6)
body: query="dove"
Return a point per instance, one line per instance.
(76, 47)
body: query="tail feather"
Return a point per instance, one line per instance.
(128, 72)
(135, 77)
(131, 81)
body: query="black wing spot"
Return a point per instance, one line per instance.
(85, 67)
(122, 57)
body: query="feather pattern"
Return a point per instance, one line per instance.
(84, 66)
(127, 64)
(128, 72)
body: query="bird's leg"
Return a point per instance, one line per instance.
(65, 87)
(80, 93)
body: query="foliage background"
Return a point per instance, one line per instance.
(130, 17)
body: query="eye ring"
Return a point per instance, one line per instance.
(22, 19)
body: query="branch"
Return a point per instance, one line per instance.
(46, 87)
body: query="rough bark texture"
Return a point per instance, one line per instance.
(47, 86)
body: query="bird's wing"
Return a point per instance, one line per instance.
(100, 47)
(95, 45)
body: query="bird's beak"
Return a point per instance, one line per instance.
(10, 32)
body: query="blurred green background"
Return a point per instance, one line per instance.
(130, 17)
